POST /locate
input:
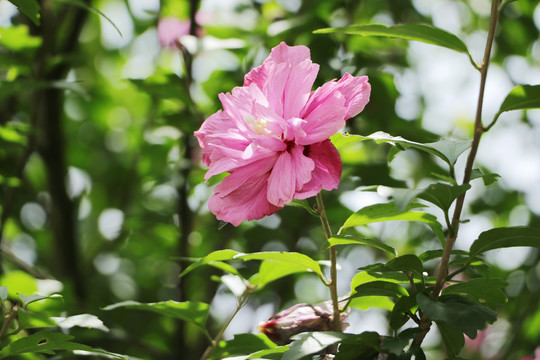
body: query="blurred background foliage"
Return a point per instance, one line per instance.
(101, 185)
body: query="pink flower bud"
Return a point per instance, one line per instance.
(300, 318)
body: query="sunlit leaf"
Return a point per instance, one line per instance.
(390, 212)
(379, 288)
(269, 272)
(311, 343)
(194, 312)
(30, 8)
(28, 299)
(458, 312)
(218, 255)
(366, 302)
(17, 38)
(417, 32)
(520, 98)
(82, 320)
(486, 291)
(357, 240)
(284, 257)
(505, 237)
(272, 354)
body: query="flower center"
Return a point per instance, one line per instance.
(257, 125)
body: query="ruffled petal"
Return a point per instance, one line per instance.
(324, 121)
(355, 89)
(242, 195)
(327, 172)
(291, 171)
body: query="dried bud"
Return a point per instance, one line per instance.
(300, 318)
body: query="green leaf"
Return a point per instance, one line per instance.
(434, 254)
(284, 257)
(520, 98)
(47, 342)
(304, 204)
(194, 312)
(417, 32)
(312, 342)
(357, 240)
(269, 272)
(443, 195)
(396, 344)
(458, 312)
(409, 263)
(505, 237)
(218, 255)
(486, 291)
(17, 38)
(366, 302)
(361, 346)
(28, 299)
(390, 212)
(87, 7)
(273, 354)
(487, 178)
(379, 288)
(82, 320)
(30, 8)
(398, 318)
(446, 149)
(242, 344)
(3, 293)
(453, 339)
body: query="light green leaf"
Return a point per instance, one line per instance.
(242, 344)
(417, 32)
(505, 237)
(218, 255)
(17, 38)
(284, 257)
(46, 342)
(28, 299)
(304, 204)
(357, 240)
(273, 354)
(458, 312)
(390, 212)
(191, 311)
(82, 320)
(520, 98)
(30, 8)
(312, 342)
(486, 291)
(269, 272)
(366, 302)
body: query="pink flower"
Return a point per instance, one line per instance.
(272, 135)
(170, 30)
(300, 318)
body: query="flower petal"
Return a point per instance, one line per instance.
(325, 120)
(327, 172)
(242, 195)
(355, 89)
(291, 171)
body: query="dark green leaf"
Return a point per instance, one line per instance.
(434, 254)
(47, 342)
(390, 212)
(242, 344)
(30, 8)
(458, 312)
(486, 291)
(443, 195)
(487, 178)
(194, 312)
(312, 342)
(398, 316)
(361, 346)
(304, 205)
(395, 345)
(505, 237)
(379, 288)
(409, 263)
(520, 98)
(357, 240)
(453, 339)
(218, 255)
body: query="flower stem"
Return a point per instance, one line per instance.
(442, 274)
(332, 284)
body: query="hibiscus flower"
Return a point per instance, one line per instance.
(272, 135)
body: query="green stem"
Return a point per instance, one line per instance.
(332, 284)
(478, 131)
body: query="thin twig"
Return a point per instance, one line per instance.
(332, 285)
(9, 318)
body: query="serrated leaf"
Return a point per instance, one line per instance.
(312, 342)
(30, 8)
(520, 98)
(418, 32)
(82, 320)
(46, 342)
(218, 255)
(390, 212)
(357, 240)
(268, 272)
(505, 237)
(434, 254)
(486, 291)
(191, 311)
(3, 293)
(379, 288)
(453, 339)
(458, 312)
(284, 257)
